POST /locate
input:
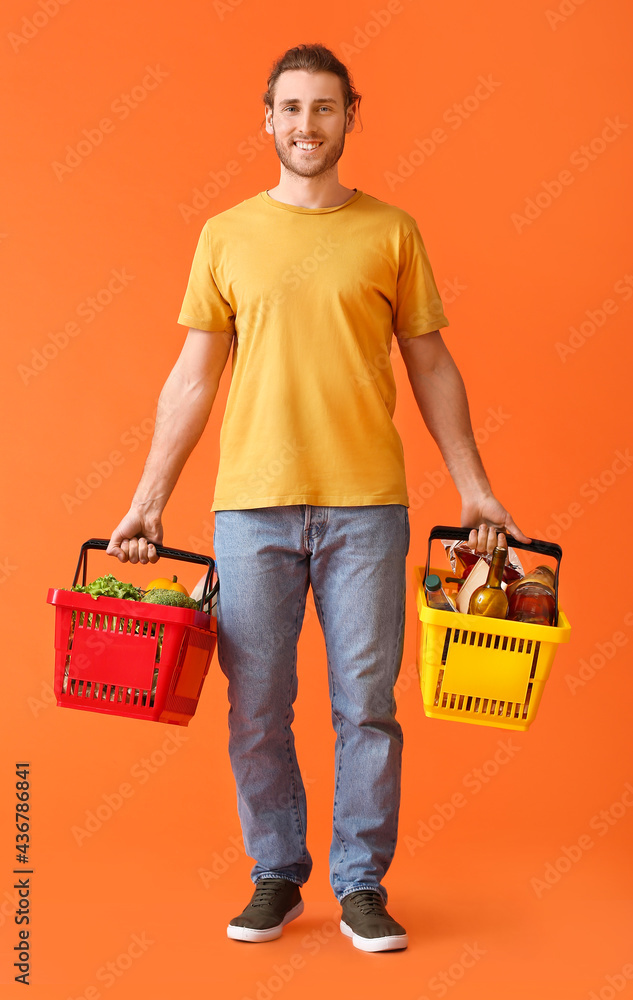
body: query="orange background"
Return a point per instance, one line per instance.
(166, 865)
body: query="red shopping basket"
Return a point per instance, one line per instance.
(130, 658)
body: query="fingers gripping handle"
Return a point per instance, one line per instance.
(166, 553)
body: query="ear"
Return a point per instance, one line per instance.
(351, 118)
(269, 123)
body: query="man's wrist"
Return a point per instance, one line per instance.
(152, 506)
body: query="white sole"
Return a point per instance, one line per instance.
(390, 943)
(269, 934)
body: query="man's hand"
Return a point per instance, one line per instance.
(134, 539)
(490, 518)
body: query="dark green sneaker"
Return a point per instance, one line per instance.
(275, 902)
(367, 922)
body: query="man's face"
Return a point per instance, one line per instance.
(309, 121)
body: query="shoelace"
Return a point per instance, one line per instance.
(369, 903)
(265, 894)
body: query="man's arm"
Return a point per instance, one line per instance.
(184, 406)
(441, 397)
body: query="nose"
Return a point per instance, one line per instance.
(305, 122)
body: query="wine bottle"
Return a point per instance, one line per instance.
(490, 600)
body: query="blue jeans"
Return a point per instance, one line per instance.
(354, 558)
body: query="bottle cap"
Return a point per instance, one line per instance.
(432, 582)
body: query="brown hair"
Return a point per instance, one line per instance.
(315, 59)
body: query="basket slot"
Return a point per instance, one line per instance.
(529, 646)
(473, 636)
(521, 643)
(152, 696)
(159, 649)
(504, 644)
(481, 638)
(488, 640)
(513, 643)
(460, 703)
(438, 689)
(447, 642)
(526, 703)
(66, 673)
(464, 636)
(484, 707)
(537, 647)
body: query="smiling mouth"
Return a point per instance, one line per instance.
(306, 147)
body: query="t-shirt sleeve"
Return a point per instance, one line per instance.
(419, 306)
(203, 307)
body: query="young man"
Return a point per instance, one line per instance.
(309, 281)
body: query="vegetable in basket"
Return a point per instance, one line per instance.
(109, 586)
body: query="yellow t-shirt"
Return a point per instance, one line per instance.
(313, 296)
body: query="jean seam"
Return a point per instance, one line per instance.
(339, 735)
(277, 875)
(301, 829)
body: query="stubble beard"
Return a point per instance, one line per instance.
(308, 169)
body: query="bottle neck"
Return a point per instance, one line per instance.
(495, 573)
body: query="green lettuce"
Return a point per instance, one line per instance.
(109, 586)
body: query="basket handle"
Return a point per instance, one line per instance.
(536, 545)
(164, 552)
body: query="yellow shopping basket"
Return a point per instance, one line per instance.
(488, 671)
